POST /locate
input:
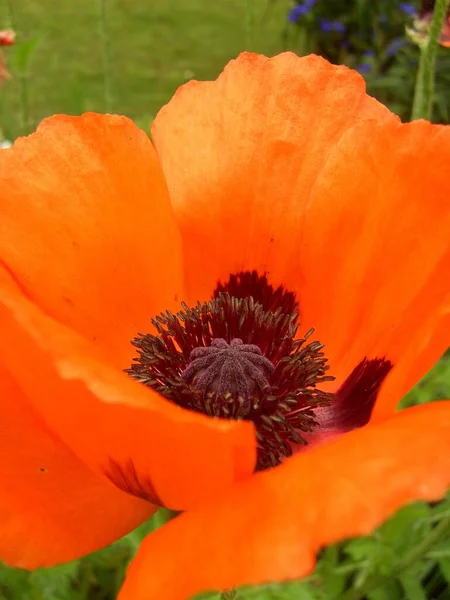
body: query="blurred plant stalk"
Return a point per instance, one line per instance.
(107, 57)
(423, 93)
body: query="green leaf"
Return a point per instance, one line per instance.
(330, 580)
(293, 590)
(390, 591)
(412, 586)
(444, 565)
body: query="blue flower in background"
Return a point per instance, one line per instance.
(364, 68)
(407, 8)
(338, 27)
(328, 26)
(299, 10)
(296, 12)
(394, 46)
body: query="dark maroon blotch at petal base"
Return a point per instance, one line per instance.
(355, 398)
(251, 284)
(127, 479)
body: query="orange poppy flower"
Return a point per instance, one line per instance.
(278, 199)
(7, 37)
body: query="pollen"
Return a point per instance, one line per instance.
(231, 358)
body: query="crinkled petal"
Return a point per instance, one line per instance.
(124, 431)
(270, 527)
(87, 228)
(286, 166)
(53, 508)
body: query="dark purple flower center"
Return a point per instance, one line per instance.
(232, 357)
(240, 356)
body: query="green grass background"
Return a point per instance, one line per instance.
(154, 46)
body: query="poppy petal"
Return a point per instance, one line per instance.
(88, 230)
(52, 507)
(419, 357)
(301, 195)
(122, 430)
(386, 283)
(270, 527)
(267, 127)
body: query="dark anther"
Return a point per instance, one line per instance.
(235, 368)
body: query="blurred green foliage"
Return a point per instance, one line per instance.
(154, 48)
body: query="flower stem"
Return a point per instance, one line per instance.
(423, 93)
(372, 583)
(228, 595)
(249, 24)
(10, 14)
(22, 77)
(107, 57)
